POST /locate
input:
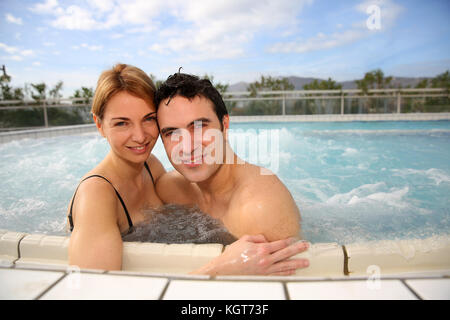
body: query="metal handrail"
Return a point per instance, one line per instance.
(281, 95)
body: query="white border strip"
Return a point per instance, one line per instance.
(345, 117)
(77, 129)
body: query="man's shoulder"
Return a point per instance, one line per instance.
(258, 182)
(265, 206)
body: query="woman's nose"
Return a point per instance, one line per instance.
(138, 134)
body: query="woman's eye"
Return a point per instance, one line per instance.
(150, 119)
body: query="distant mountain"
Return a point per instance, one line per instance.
(238, 87)
(299, 82)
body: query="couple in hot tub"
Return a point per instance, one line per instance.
(192, 119)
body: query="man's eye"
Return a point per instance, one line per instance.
(120, 124)
(150, 119)
(198, 124)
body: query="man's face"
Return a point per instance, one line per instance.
(192, 136)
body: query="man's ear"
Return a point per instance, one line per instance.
(226, 121)
(98, 124)
(226, 125)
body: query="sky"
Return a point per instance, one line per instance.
(233, 40)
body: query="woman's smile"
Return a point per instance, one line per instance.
(139, 149)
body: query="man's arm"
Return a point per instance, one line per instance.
(266, 208)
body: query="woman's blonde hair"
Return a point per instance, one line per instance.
(122, 77)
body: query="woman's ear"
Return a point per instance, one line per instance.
(98, 124)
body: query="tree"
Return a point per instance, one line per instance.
(269, 83)
(439, 104)
(155, 81)
(83, 92)
(6, 91)
(322, 85)
(441, 81)
(54, 93)
(374, 79)
(265, 107)
(83, 111)
(221, 87)
(40, 91)
(326, 106)
(422, 84)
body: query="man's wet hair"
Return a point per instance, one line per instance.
(189, 86)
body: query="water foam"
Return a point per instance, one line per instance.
(436, 175)
(180, 224)
(351, 181)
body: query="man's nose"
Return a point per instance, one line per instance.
(191, 141)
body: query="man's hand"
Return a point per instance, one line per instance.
(253, 255)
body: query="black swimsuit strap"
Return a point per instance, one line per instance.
(130, 223)
(148, 169)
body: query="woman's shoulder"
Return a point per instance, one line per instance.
(95, 189)
(95, 203)
(156, 167)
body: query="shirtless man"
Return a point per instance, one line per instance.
(194, 123)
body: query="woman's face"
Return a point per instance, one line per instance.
(129, 125)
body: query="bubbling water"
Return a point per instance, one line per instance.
(179, 224)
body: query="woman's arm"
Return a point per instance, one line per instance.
(96, 241)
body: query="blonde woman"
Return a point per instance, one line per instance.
(112, 197)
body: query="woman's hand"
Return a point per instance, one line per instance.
(253, 255)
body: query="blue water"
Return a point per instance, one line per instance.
(353, 181)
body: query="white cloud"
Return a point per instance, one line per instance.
(116, 36)
(15, 54)
(26, 53)
(102, 5)
(389, 12)
(11, 19)
(14, 57)
(100, 14)
(223, 29)
(76, 18)
(320, 42)
(8, 49)
(48, 7)
(88, 46)
(198, 29)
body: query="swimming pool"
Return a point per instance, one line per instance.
(353, 181)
